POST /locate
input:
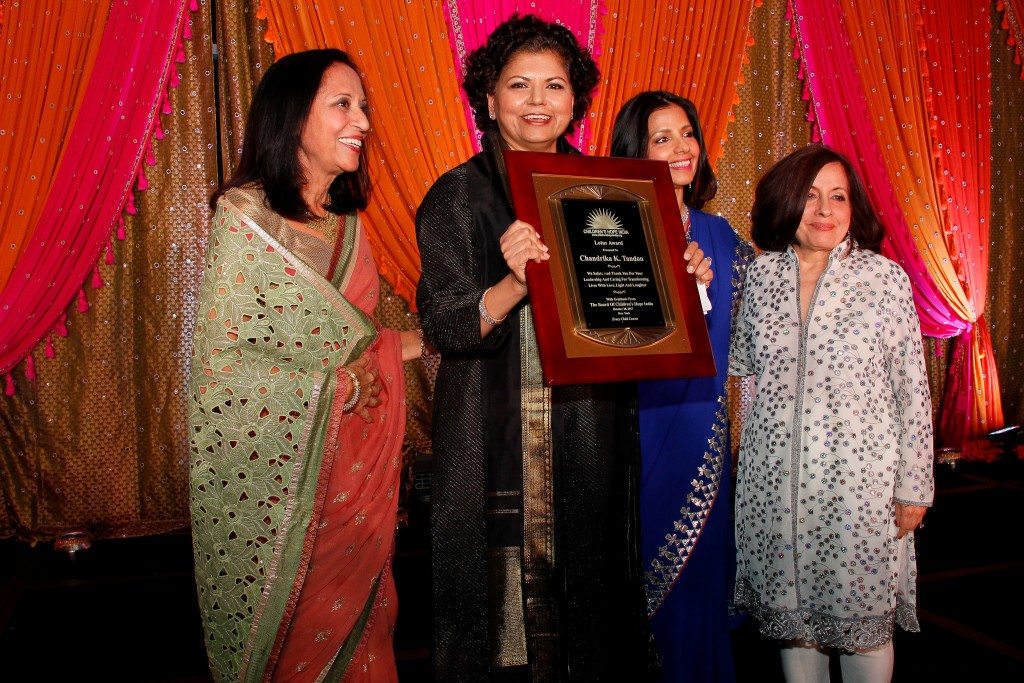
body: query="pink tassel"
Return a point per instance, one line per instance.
(130, 207)
(49, 353)
(62, 328)
(120, 228)
(187, 31)
(193, 6)
(158, 132)
(143, 182)
(97, 279)
(30, 368)
(150, 156)
(175, 78)
(166, 107)
(10, 385)
(109, 258)
(180, 56)
(83, 303)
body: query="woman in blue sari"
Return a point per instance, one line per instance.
(685, 517)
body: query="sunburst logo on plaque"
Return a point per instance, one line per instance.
(602, 222)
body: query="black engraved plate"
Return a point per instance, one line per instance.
(612, 264)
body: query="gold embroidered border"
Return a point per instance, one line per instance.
(538, 507)
(508, 628)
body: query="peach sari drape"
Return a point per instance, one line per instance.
(349, 555)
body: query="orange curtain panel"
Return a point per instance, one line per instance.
(47, 50)
(694, 49)
(419, 129)
(957, 65)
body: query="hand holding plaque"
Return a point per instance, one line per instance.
(614, 302)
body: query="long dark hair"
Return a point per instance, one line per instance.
(273, 134)
(781, 195)
(528, 33)
(629, 139)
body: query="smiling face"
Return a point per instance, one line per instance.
(333, 134)
(826, 218)
(532, 101)
(670, 138)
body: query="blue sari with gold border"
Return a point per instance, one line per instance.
(686, 489)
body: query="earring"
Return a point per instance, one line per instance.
(491, 114)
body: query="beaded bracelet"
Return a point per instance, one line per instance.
(357, 389)
(485, 314)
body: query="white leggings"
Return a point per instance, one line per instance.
(804, 662)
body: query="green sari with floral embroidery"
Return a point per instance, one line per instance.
(274, 460)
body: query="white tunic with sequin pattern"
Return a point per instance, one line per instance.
(840, 431)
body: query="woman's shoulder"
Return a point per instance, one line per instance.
(768, 260)
(247, 192)
(880, 265)
(720, 227)
(450, 184)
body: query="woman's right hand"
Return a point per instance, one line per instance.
(369, 381)
(520, 244)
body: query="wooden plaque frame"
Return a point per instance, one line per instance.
(673, 342)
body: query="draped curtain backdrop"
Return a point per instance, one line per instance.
(885, 117)
(694, 49)
(124, 85)
(98, 441)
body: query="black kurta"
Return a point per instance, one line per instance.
(535, 547)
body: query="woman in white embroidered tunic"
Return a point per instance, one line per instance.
(835, 465)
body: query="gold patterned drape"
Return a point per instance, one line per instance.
(243, 56)
(98, 442)
(770, 121)
(1005, 306)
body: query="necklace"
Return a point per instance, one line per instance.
(685, 215)
(325, 225)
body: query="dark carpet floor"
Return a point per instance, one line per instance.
(125, 610)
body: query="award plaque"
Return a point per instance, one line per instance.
(614, 303)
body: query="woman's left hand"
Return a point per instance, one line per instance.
(369, 381)
(698, 264)
(908, 518)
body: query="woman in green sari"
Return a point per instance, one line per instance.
(297, 397)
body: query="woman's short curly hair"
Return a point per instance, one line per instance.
(528, 33)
